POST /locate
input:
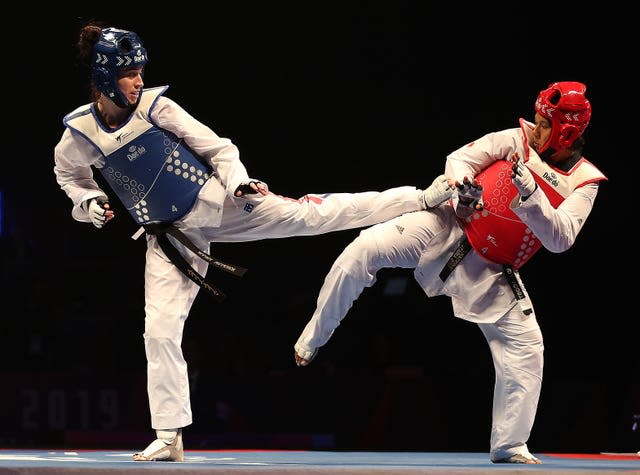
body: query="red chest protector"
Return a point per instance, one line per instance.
(496, 232)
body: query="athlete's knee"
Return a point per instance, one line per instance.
(162, 323)
(362, 247)
(532, 352)
(361, 250)
(359, 260)
(534, 340)
(160, 349)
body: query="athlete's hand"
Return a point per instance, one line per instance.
(251, 187)
(522, 177)
(438, 192)
(100, 212)
(469, 197)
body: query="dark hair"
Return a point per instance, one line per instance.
(89, 36)
(578, 144)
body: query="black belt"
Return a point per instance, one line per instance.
(507, 270)
(510, 275)
(161, 231)
(462, 250)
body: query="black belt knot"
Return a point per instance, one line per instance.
(507, 270)
(160, 230)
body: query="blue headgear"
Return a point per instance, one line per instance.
(115, 50)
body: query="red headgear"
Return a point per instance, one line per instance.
(569, 111)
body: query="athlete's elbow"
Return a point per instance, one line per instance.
(558, 246)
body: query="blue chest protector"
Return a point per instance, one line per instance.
(156, 176)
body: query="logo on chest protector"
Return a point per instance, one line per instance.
(123, 136)
(552, 178)
(135, 152)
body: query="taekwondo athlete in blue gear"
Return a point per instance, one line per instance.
(156, 176)
(168, 168)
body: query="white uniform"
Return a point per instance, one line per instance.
(217, 215)
(479, 292)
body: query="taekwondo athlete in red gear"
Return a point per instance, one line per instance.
(516, 190)
(168, 168)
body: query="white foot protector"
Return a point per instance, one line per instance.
(519, 458)
(304, 357)
(167, 447)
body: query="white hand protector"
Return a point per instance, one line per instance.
(522, 178)
(469, 197)
(438, 192)
(98, 212)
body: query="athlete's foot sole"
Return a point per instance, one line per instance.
(519, 458)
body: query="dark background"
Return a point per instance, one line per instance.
(319, 97)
